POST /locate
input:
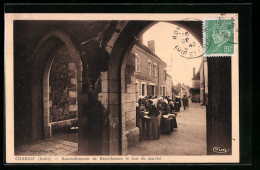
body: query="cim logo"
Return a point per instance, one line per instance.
(218, 149)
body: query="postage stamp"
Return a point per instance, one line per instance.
(218, 37)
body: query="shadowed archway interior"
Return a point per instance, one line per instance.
(44, 55)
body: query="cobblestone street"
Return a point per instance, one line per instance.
(62, 144)
(188, 139)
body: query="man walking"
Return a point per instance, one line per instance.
(185, 102)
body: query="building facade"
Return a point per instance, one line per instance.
(195, 90)
(203, 80)
(200, 83)
(169, 86)
(150, 71)
(143, 74)
(185, 89)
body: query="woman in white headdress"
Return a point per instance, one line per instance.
(154, 131)
(168, 121)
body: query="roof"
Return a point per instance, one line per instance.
(168, 74)
(185, 86)
(176, 88)
(148, 50)
(197, 76)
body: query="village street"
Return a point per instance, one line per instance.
(188, 139)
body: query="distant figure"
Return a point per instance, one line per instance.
(177, 104)
(189, 101)
(185, 102)
(171, 104)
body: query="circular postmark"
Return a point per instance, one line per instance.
(185, 44)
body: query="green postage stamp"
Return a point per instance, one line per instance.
(218, 37)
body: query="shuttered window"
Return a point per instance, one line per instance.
(137, 63)
(155, 70)
(149, 68)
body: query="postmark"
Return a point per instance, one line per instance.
(185, 44)
(218, 37)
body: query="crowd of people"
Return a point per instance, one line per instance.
(156, 115)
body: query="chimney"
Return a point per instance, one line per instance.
(193, 71)
(151, 45)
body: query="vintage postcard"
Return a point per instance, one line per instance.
(122, 88)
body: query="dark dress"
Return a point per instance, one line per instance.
(166, 127)
(177, 105)
(185, 102)
(139, 122)
(154, 123)
(171, 107)
(168, 123)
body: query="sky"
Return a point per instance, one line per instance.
(170, 43)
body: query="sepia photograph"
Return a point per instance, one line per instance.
(122, 88)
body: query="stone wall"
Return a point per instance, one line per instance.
(169, 86)
(63, 88)
(161, 75)
(130, 133)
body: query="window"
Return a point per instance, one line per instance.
(155, 69)
(137, 63)
(143, 89)
(164, 91)
(161, 90)
(165, 77)
(152, 90)
(137, 90)
(152, 70)
(149, 68)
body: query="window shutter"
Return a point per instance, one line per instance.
(148, 90)
(152, 70)
(138, 64)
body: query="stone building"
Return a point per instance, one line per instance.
(105, 84)
(177, 89)
(185, 90)
(169, 86)
(149, 71)
(195, 90)
(203, 81)
(181, 89)
(143, 75)
(199, 88)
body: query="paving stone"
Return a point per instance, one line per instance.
(188, 139)
(49, 147)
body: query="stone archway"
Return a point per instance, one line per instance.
(43, 57)
(123, 41)
(131, 31)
